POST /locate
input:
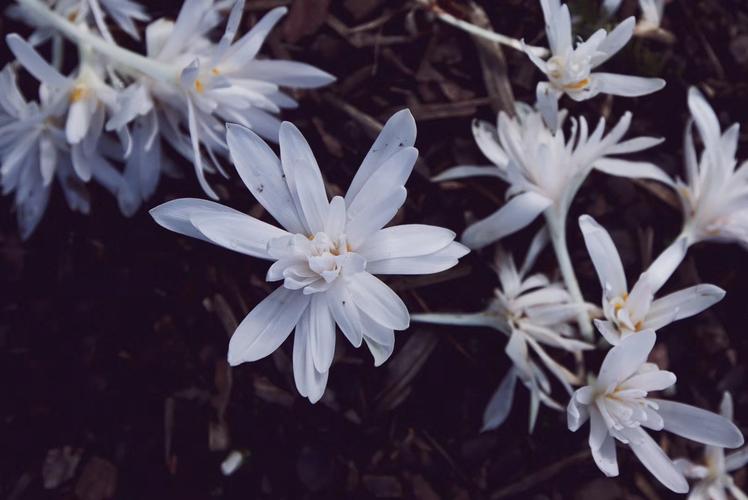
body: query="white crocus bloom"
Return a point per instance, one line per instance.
(570, 69)
(545, 171)
(327, 253)
(618, 408)
(713, 479)
(534, 313)
(628, 312)
(714, 195)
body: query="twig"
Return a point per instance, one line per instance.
(535, 478)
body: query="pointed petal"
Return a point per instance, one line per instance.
(378, 301)
(699, 425)
(625, 359)
(513, 216)
(309, 381)
(267, 326)
(35, 64)
(633, 170)
(682, 304)
(604, 257)
(625, 85)
(654, 459)
(500, 404)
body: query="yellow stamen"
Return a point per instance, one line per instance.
(581, 84)
(215, 71)
(78, 93)
(199, 87)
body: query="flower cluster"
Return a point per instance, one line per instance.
(114, 117)
(110, 118)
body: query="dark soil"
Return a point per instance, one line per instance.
(113, 331)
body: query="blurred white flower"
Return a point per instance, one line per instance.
(627, 312)
(618, 408)
(569, 69)
(329, 251)
(650, 20)
(714, 481)
(181, 91)
(544, 169)
(715, 194)
(534, 313)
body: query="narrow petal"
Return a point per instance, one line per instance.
(301, 168)
(345, 313)
(398, 133)
(322, 333)
(633, 170)
(390, 175)
(547, 103)
(379, 339)
(488, 141)
(467, 171)
(379, 302)
(35, 64)
(699, 425)
(371, 218)
(576, 413)
(215, 223)
(604, 257)
(407, 240)
(500, 404)
(436, 262)
(655, 380)
(682, 304)
(513, 216)
(261, 171)
(615, 41)
(289, 73)
(625, 85)
(665, 264)
(267, 325)
(654, 459)
(309, 381)
(625, 359)
(609, 331)
(736, 460)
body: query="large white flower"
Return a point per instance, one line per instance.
(714, 480)
(328, 252)
(628, 312)
(570, 69)
(534, 313)
(618, 408)
(544, 169)
(715, 194)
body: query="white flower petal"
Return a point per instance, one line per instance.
(604, 256)
(682, 304)
(633, 170)
(35, 64)
(303, 176)
(436, 262)
(372, 217)
(309, 382)
(625, 85)
(614, 41)
(289, 73)
(398, 133)
(736, 460)
(699, 425)
(576, 413)
(378, 301)
(624, 359)
(247, 47)
(706, 121)
(547, 103)
(654, 459)
(322, 333)
(345, 313)
(261, 171)
(609, 331)
(488, 142)
(267, 325)
(407, 240)
(500, 404)
(462, 319)
(655, 380)
(517, 213)
(467, 171)
(184, 28)
(605, 456)
(665, 264)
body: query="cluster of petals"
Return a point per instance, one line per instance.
(545, 169)
(713, 479)
(326, 253)
(570, 69)
(618, 407)
(109, 118)
(714, 195)
(628, 312)
(534, 313)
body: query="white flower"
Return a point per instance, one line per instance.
(714, 480)
(570, 69)
(545, 169)
(715, 194)
(651, 17)
(627, 312)
(618, 408)
(214, 83)
(533, 312)
(328, 252)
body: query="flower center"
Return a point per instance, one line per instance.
(570, 75)
(312, 263)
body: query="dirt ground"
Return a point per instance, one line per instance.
(113, 331)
